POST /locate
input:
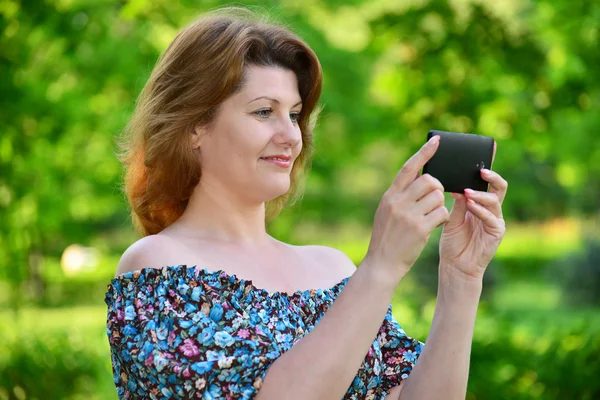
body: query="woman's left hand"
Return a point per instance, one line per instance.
(474, 229)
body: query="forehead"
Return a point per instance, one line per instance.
(270, 81)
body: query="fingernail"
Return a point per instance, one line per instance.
(434, 139)
(469, 191)
(485, 171)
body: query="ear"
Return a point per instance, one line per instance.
(197, 136)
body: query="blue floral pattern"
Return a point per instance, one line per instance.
(186, 332)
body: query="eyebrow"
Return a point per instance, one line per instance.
(273, 100)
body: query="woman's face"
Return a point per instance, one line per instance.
(258, 121)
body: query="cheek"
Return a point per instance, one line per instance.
(298, 148)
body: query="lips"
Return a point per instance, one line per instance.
(279, 161)
(277, 158)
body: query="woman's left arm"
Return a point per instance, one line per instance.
(469, 241)
(443, 368)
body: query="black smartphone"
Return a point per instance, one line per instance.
(458, 160)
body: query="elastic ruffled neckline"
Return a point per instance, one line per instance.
(224, 278)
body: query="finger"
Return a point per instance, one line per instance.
(458, 212)
(411, 168)
(437, 217)
(483, 214)
(499, 186)
(430, 202)
(422, 186)
(488, 200)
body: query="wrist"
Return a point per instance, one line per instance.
(453, 281)
(381, 276)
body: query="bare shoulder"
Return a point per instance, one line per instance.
(151, 251)
(336, 258)
(395, 391)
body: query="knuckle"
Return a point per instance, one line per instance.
(406, 169)
(387, 196)
(439, 196)
(420, 230)
(404, 218)
(442, 213)
(445, 213)
(390, 207)
(395, 211)
(430, 180)
(434, 182)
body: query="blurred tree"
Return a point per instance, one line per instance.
(524, 73)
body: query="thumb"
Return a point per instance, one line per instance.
(459, 209)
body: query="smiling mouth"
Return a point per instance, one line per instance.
(279, 157)
(278, 161)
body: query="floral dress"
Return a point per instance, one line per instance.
(184, 332)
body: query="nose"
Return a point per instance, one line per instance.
(288, 132)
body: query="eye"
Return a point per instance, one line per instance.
(295, 116)
(264, 113)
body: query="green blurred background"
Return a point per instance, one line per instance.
(525, 72)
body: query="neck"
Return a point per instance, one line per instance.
(215, 214)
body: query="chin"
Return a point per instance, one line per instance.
(274, 191)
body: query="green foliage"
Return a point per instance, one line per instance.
(513, 357)
(563, 366)
(57, 365)
(525, 73)
(579, 274)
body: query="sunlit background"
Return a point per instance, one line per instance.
(525, 72)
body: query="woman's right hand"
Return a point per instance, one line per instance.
(409, 211)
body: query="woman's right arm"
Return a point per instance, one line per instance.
(323, 364)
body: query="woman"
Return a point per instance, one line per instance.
(209, 305)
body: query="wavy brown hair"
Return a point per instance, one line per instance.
(202, 67)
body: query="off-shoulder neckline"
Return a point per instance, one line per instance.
(133, 275)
